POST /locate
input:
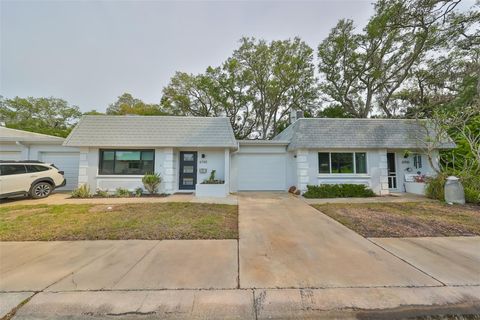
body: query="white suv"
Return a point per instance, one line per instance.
(33, 178)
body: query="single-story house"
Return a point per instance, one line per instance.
(116, 151)
(24, 145)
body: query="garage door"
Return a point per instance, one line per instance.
(67, 162)
(261, 171)
(10, 155)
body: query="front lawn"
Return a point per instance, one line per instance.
(409, 219)
(153, 221)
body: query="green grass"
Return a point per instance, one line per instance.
(154, 221)
(410, 219)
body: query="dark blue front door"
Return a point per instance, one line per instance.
(188, 170)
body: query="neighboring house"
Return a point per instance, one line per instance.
(116, 151)
(24, 145)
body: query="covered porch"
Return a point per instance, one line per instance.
(408, 169)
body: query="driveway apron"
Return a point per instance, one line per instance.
(285, 243)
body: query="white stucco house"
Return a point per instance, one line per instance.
(24, 145)
(115, 151)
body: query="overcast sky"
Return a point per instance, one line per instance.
(90, 52)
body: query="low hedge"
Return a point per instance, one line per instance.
(338, 191)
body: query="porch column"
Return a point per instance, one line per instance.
(383, 166)
(227, 168)
(169, 171)
(302, 169)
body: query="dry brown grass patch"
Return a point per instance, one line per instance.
(409, 219)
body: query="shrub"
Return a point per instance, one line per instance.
(151, 181)
(83, 191)
(338, 191)
(435, 187)
(122, 192)
(471, 185)
(472, 195)
(101, 193)
(138, 192)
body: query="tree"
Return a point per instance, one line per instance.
(93, 112)
(255, 88)
(333, 111)
(127, 104)
(450, 72)
(363, 71)
(220, 91)
(190, 95)
(51, 116)
(281, 77)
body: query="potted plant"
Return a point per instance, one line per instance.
(211, 187)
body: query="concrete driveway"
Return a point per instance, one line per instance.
(285, 243)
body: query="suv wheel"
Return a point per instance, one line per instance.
(41, 190)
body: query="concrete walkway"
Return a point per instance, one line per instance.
(65, 198)
(291, 262)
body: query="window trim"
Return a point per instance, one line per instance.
(100, 162)
(354, 173)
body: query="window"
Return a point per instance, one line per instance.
(360, 162)
(188, 181)
(324, 162)
(36, 168)
(126, 162)
(10, 169)
(417, 161)
(342, 162)
(188, 157)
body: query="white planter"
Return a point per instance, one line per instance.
(211, 190)
(415, 187)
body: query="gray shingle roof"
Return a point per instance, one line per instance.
(151, 131)
(13, 135)
(355, 133)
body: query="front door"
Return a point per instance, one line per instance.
(392, 171)
(188, 170)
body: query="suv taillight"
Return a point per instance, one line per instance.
(61, 172)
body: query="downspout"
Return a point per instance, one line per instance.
(230, 171)
(18, 143)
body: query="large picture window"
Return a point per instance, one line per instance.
(126, 162)
(342, 162)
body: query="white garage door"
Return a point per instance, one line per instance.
(10, 155)
(261, 171)
(67, 162)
